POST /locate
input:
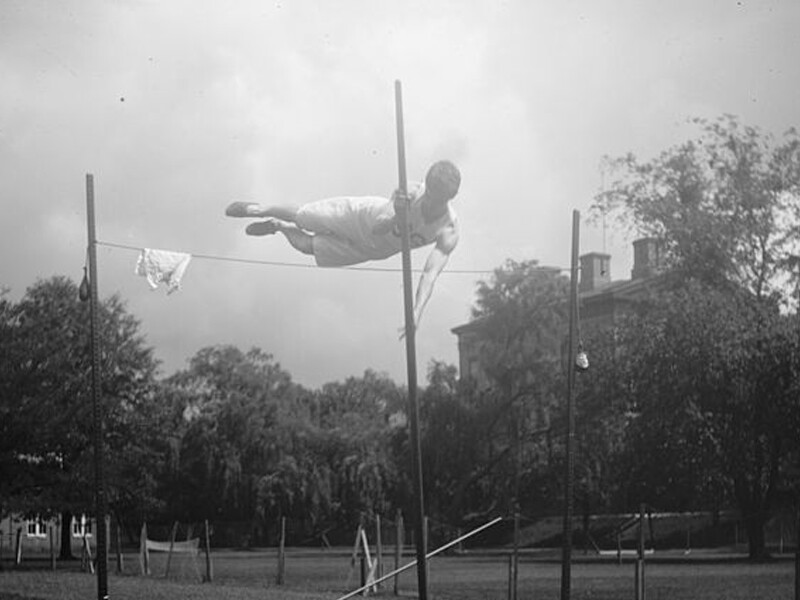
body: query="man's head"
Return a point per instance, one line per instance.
(443, 180)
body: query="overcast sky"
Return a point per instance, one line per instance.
(178, 107)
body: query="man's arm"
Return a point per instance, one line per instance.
(445, 244)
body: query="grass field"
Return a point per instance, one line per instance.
(326, 575)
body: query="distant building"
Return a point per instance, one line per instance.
(35, 534)
(602, 301)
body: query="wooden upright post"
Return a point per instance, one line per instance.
(281, 553)
(172, 536)
(209, 568)
(398, 549)
(18, 550)
(411, 353)
(51, 531)
(378, 547)
(515, 561)
(640, 557)
(97, 418)
(118, 547)
(87, 555)
(144, 552)
(566, 556)
(797, 554)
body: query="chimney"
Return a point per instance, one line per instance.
(595, 271)
(646, 258)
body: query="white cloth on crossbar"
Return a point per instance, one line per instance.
(187, 547)
(162, 266)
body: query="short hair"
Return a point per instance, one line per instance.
(443, 179)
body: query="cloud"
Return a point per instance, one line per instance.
(178, 108)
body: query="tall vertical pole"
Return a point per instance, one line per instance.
(797, 555)
(411, 354)
(794, 262)
(566, 557)
(99, 483)
(639, 578)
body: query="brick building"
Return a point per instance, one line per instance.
(601, 300)
(36, 535)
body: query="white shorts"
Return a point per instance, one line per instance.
(342, 229)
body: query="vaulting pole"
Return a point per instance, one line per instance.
(411, 353)
(566, 555)
(99, 483)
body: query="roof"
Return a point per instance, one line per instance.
(629, 290)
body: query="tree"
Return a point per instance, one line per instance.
(493, 442)
(522, 316)
(359, 421)
(602, 420)
(712, 391)
(225, 412)
(724, 205)
(45, 398)
(249, 445)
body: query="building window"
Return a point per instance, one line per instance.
(473, 368)
(36, 527)
(81, 526)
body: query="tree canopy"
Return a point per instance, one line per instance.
(724, 205)
(46, 457)
(710, 367)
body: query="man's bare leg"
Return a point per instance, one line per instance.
(299, 239)
(252, 210)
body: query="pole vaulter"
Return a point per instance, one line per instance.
(347, 230)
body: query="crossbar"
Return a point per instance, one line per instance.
(429, 555)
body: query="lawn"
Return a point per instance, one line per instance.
(326, 575)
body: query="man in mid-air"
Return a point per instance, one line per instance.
(347, 230)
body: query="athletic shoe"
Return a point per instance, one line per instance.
(267, 227)
(241, 209)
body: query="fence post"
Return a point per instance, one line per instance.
(281, 553)
(18, 548)
(87, 554)
(209, 569)
(107, 531)
(363, 577)
(120, 559)
(398, 550)
(780, 541)
(51, 532)
(640, 557)
(144, 552)
(425, 537)
(378, 548)
(515, 571)
(172, 535)
(510, 577)
(797, 555)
